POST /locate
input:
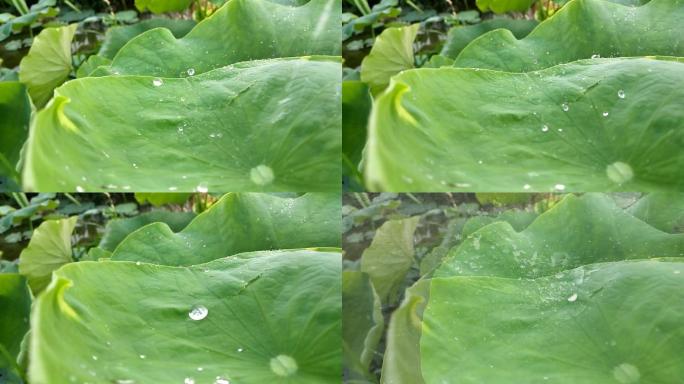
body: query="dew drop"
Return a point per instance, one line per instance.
(173, 189)
(143, 356)
(135, 165)
(221, 380)
(677, 272)
(572, 298)
(157, 82)
(189, 380)
(79, 189)
(596, 56)
(94, 357)
(619, 172)
(545, 128)
(559, 187)
(261, 175)
(621, 94)
(240, 349)
(565, 107)
(191, 71)
(527, 186)
(284, 365)
(626, 373)
(202, 188)
(198, 312)
(200, 369)
(125, 381)
(605, 114)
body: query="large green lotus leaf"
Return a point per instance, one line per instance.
(392, 53)
(250, 127)
(502, 6)
(118, 229)
(161, 6)
(270, 317)
(518, 219)
(401, 362)
(612, 323)
(91, 64)
(362, 323)
(390, 256)
(49, 249)
(593, 125)
(356, 106)
(48, 63)
(580, 30)
(15, 109)
(241, 30)
(239, 223)
(601, 232)
(118, 36)
(460, 37)
(15, 301)
(664, 211)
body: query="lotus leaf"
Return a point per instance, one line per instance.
(392, 53)
(591, 125)
(244, 127)
(239, 223)
(617, 322)
(601, 231)
(241, 30)
(390, 256)
(356, 106)
(460, 37)
(48, 63)
(362, 322)
(664, 211)
(161, 6)
(117, 229)
(117, 37)
(49, 249)
(15, 301)
(581, 30)
(268, 317)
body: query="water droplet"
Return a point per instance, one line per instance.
(142, 356)
(619, 172)
(135, 165)
(261, 175)
(157, 82)
(596, 56)
(283, 365)
(221, 380)
(189, 380)
(677, 272)
(191, 71)
(545, 128)
(565, 107)
(173, 189)
(621, 94)
(202, 188)
(560, 129)
(94, 357)
(198, 312)
(527, 186)
(626, 373)
(240, 349)
(125, 381)
(572, 298)
(605, 114)
(200, 369)
(79, 189)
(138, 263)
(559, 187)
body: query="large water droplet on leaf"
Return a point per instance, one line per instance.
(626, 373)
(621, 94)
(157, 82)
(191, 71)
(261, 175)
(198, 312)
(619, 172)
(284, 365)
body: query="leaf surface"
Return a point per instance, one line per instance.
(15, 109)
(268, 317)
(241, 30)
(392, 53)
(594, 125)
(460, 37)
(245, 127)
(239, 223)
(116, 37)
(48, 63)
(49, 249)
(117, 229)
(620, 324)
(580, 30)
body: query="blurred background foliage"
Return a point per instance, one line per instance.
(102, 219)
